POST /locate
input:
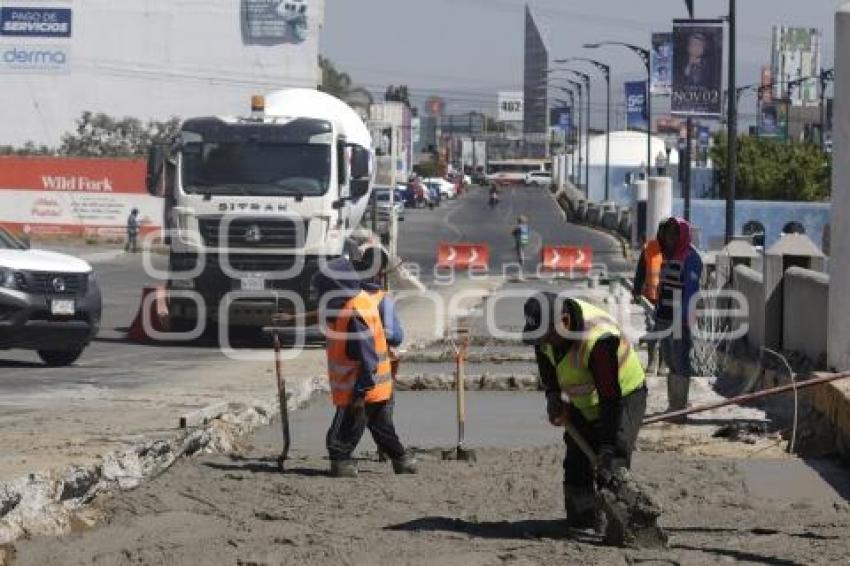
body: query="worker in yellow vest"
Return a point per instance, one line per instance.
(358, 369)
(646, 284)
(593, 379)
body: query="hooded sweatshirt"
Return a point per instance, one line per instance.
(680, 276)
(340, 279)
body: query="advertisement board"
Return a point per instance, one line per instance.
(75, 197)
(36, 59)
(796, 54)
(773, 119)
(35, 22)
(511, 107)
(271, 22)
(661, 63)
(561, 118)
(697, 68)
(636, 118)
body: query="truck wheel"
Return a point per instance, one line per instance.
(59, 358)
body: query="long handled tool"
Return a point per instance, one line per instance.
(461, 453)
(631, 516)
(284, 409)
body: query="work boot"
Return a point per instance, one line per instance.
(580, 505)
(405, 465)
(343, 468)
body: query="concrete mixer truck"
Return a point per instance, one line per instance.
(254, 204)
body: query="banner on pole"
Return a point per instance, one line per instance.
(773, 119)
(697, 68)
(636, 118)
(661, 63)
(561, 118)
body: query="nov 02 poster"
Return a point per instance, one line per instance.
(697, 68)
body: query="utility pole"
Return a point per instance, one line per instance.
(731, 127)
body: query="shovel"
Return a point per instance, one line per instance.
(284, 410)
(631, 515)
(460, 453)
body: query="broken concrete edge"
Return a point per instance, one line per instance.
(46, 503)
(448, 355)
(483, 382)
(830, 426)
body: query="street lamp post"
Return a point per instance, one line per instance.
(606, 72)
(585, 85)
(570, 104)
(579, 87)
(644, 55)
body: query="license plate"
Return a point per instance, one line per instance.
(62, 307)
(253, 284)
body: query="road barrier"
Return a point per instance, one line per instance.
(156, 318)
(463, 256)
(566, 258)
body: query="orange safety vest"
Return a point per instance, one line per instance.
(653, 259)
(342, 370)
(393, 354)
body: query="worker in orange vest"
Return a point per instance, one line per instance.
(646, 284)
(358, 369)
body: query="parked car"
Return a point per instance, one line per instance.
(538, 179)
(49, 302)
(381, 195)
(447, 189)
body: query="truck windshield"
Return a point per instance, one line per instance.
(9, 242)
(256, 169)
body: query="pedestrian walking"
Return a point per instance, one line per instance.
(681, 271)
(132, 231)
(358, 369)
(583, 354)
(522, 236)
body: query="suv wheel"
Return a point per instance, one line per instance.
(59, 358)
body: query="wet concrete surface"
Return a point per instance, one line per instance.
(428, 420)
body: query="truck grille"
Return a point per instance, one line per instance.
(254, 233)
(45, 283)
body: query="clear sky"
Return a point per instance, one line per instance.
(467, 50)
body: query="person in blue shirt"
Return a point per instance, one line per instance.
(522, 236)
(681, 271)
(372, 266)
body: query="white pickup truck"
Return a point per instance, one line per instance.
(49, 302)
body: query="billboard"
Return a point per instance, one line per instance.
(697, 68)
(271, 22)
(35, 22)
(773, 119)
(561, 118)
(765, 93)
(796, 54)
(661, 63)
(79, 197)
(511, 106)
(636, 118)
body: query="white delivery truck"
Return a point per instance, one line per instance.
(254, 204)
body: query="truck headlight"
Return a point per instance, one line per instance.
(7, 278)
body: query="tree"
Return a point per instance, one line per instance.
(775, 170)
(398, 94)
(100, 135)
(340, 85)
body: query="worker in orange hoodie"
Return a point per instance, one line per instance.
(646, 285)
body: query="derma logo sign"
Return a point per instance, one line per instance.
(45, 58)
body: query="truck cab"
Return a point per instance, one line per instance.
(253, 205)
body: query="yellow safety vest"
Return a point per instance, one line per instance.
(573, 371)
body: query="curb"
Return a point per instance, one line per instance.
(560, 196)
(483, 382)
(45, 504)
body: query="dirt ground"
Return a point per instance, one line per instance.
(506, 509)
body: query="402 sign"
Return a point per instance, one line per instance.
(510, 106)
